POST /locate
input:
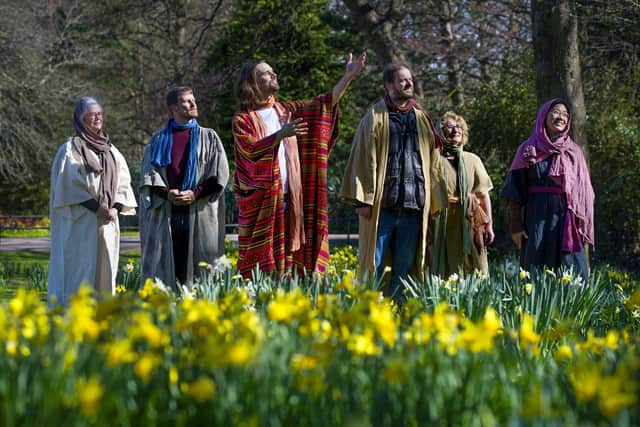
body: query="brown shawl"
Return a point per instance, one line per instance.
(106, 166)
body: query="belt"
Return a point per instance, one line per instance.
(545, 189)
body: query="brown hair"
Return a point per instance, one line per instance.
(174, 91)
(247, 93)
(391, 69)
(450, 115)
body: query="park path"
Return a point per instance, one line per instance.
(127, 243)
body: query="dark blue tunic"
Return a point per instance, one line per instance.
(544, 216)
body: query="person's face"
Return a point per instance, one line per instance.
(266, 79)
(401, 88)
(94, 118)
(557, 119)
(185, 109)
(453, 132)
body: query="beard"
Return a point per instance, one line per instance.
(269, 89)
(403, 94)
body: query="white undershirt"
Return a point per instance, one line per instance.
(272, 125)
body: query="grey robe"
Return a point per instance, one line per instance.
(206, 215)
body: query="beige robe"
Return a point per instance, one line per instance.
(206, 214)
(363, 182)
(81, 250)
(478, 182)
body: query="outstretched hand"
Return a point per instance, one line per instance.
(296, 127)
(354, 68)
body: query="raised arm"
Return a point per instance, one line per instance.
(352, 69)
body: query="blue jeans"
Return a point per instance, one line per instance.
(399, 233)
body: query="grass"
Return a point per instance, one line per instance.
(44, 232)
(36, 232)
(29, 270)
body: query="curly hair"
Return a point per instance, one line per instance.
(450, 115)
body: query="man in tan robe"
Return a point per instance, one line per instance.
(90, 186)
(390, 179)
(184, 172)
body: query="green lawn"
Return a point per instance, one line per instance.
(44, 232)
(39, 232)
(29, 270)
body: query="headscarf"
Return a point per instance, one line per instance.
(568, 169)
(161, 151)
(440, 231)
(86, 140)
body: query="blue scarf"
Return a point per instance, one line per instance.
(161, 151)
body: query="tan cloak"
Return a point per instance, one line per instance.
(81, 250)
(364, 180)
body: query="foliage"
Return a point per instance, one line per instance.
(499, 119)
(613, 143)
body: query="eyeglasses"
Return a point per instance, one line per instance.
(558, 113)
(451, 127)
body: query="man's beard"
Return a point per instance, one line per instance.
(270, 90)
(403, 95)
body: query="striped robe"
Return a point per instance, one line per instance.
(258, 189)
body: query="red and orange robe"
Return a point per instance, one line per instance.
(263, 234)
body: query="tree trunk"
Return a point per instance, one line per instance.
(557, 57)
(570, 74)
(378, 27)
(454, 73)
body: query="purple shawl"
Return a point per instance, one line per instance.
(568, 169)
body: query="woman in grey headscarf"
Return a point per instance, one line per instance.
(90, 185)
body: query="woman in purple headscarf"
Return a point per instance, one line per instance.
(549, 195)
(90, 186)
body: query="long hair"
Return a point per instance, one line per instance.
(247, 93)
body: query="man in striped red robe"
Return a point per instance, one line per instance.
(280, 181)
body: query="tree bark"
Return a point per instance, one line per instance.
(378, 26)
(454, 73)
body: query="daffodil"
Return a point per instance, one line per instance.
(89, 393)
(201, 389)
(302, 362)
(529, 339)
(563, 353)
